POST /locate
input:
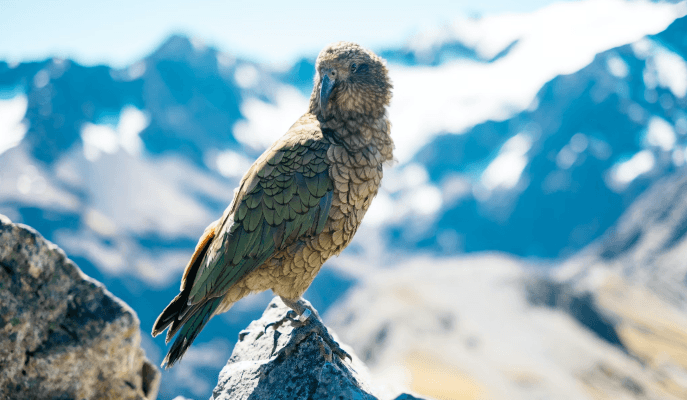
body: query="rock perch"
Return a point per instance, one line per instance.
(311, 372)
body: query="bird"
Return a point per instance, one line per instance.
(300, 203)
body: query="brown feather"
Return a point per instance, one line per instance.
(199, 253)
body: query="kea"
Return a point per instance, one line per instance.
(299, 204)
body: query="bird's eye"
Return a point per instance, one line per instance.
(333, 73)
(353, 67)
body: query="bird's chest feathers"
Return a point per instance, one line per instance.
(356, 176)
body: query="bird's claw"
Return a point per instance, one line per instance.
(309, 326)
(290, 316)
(316, 326)
(336, 349)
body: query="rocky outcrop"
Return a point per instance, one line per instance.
(62, 334)
(256, 371)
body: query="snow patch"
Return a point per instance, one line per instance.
(558, 39)
(617, 66)
(12, 125)
(100, 223)
(425, 199)
(505, 171)
(381, 210)
(136, 71)
(579, 142)
(99, 139)
(409, 176)
(132, 122)
(41, 79)
(671, 71)
(266, 122)
(23, 182)
(232, 164)
(660, 133)
(641, 48)
(641, 163)
(246, 76)
(405, 191)
(565, 158)
(198, 44)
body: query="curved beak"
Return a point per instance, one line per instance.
(325, 92)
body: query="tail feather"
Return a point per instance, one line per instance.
(181, 319)
(179, 313)
(170, 313)
(191, 328)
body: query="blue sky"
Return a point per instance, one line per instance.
(120, 32)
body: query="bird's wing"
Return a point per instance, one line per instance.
(286, 195)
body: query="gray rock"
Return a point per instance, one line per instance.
(254, 371)
(62, 334)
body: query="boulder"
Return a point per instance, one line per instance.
(62, 334)
(257, 371)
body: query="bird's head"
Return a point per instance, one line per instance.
(349, 80)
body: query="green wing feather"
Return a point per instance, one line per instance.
(291, 200)
(190, 330)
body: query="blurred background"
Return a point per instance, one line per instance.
(528, 242)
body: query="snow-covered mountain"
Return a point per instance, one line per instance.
(123, 168)
(551, 178)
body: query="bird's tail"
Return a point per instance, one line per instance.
(169, 316)
(192, 322)
(178, 314)
(189, 318)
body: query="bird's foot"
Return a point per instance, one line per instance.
(316, 326)
(290, 316)
(310, 324)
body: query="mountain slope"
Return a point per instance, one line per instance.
(554, 177)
